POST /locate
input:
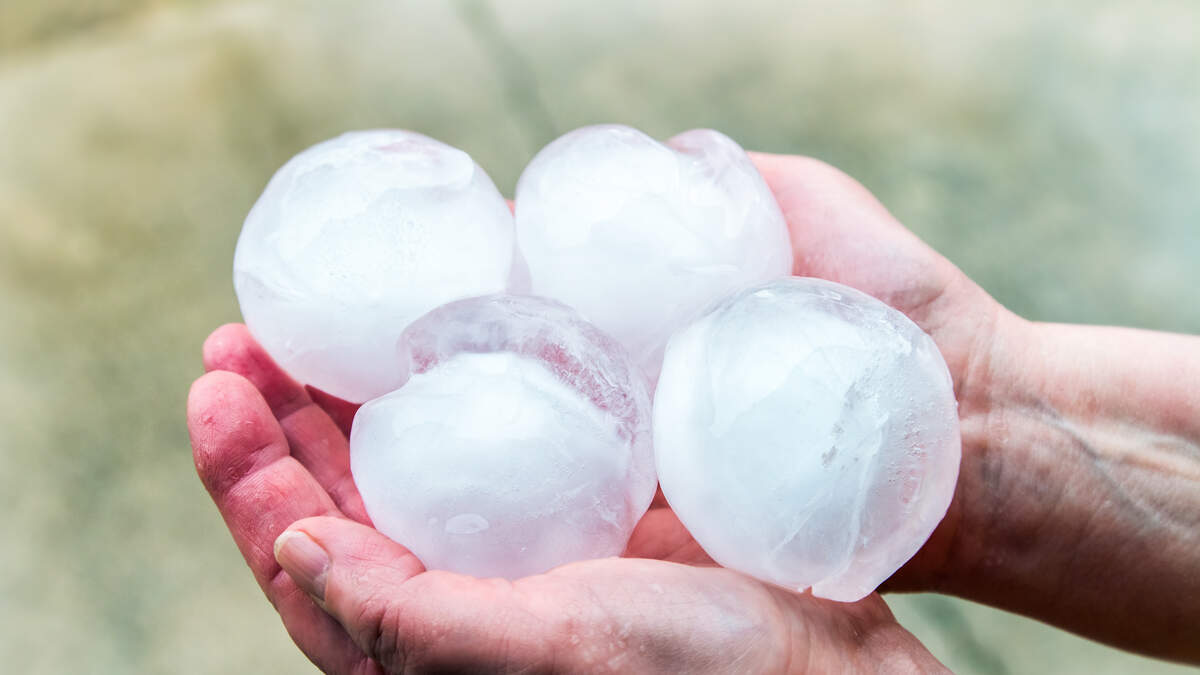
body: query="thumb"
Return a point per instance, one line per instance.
(398, 614)
(355, 574)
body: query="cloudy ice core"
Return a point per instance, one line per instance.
(807, 434)
(641, 236)
(521, 441)
(354, 238)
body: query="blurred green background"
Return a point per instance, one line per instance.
(1052, 150)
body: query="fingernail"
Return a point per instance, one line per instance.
(304, 560)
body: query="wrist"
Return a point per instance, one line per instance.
(986, 377)
(1080, 484)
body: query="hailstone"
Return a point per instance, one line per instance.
(641, 236)
(807, 434)
(520, 442)
(353, 239)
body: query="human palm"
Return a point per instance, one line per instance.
(275, 458)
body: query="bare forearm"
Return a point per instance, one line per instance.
(1084, 475)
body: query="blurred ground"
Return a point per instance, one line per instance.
(1050, 149)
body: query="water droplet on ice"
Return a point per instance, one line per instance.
(466, 523)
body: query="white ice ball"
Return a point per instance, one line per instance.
(520, 443)
(807, 434)
(356, 237)
(640, 236)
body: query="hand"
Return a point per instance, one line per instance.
(1078, 500)
(275, 459)
(1078, 494)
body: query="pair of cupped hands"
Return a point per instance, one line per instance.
(274, 456)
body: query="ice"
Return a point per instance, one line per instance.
(356, 237)
(521, 441)
(640, 236)
(807, 434)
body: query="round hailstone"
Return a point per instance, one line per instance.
(640, 236)
(521, 441)
(807, 434)
(356, 237)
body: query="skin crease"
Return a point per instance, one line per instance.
(1078, 501)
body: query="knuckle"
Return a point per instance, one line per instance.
(381, 631)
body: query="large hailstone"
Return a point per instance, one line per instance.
(641, 236)
(520, 443)
(807, 434)
(356, 237)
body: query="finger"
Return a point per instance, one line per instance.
(660, 535)
(315, 439)
(341, 412)
(841, 232)
(406, 619)
(820, 201)
(660, 500)
(242, 458)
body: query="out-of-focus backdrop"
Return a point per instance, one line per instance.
(1052, 150)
